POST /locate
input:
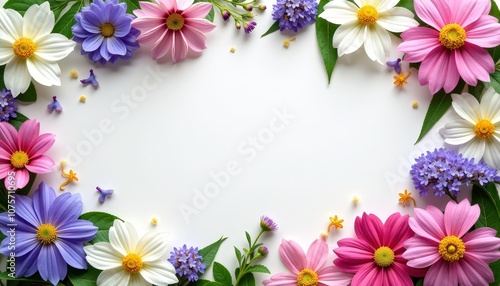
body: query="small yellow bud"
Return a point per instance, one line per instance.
(83, 98)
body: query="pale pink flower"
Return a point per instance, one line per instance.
(455, 257)
(24, 151)
(453, 46)
(375, 257)
(307, 269)
(173, 25)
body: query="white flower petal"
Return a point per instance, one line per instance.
(349, 37)
(397, 20)
(377, 43)
(473, 149)
(458, 132)
(44, 72)
(490, 105)
(54, 47)
(340, 12)
(6, 53)
(362, 3)
(11, 25)
(102, 256)
(17, 77)
(113, 277)
(152, 246)
(492, 153)
(159, 273)
(384, 5)
(467, 106)
(123, 237)
(38, 21)
(138, 280)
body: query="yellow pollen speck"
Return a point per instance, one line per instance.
(232, 50)
(406, 197)
(367, 15)
(400, 80)
(414, 105)
(335, 222)
(452, 36)
(154, 221)
(324, 235)
(83, 98)
(63, 163)
(73, 74)
(484, 129)
(286, 43)
(355, 200)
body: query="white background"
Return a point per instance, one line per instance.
(354, 137)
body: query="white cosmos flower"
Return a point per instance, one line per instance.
(29, 49)
(128, 260)
(367, 23)
(478, 133)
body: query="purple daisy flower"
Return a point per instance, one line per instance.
(8, 105)
(268, 224)
(294, 14)
(49, 235)
(104, 29)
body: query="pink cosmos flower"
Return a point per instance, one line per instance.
(23, 151)
(376, 256)
(173, 25)
(454, 256)
(307, 269)
(454, 46)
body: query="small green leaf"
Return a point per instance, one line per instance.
(477, 91)
(29, 95)
(67, 20)
(247, 280)
(83, 277)
(324, 36)
(495, 267)
(21, 5)
(494, 11)
(202, 282)
(132, 5)
(238, 254)
(18, 121)
(249, 240)
(258, 268)
(440, 103)
(274, 27)
(35, 278)
(488, 200)
(208, 252)
(494, 81)
(222, 275)
(420, 282)
(103, 221)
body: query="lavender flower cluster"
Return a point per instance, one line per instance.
(294, 14)
(8, 105)
(443, 171)
(187, 262)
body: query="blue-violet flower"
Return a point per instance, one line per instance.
(294, 14)
(8, 105)
(90, 80)
(187, 262)
(104, 29)
(54, 105)
(49, 235)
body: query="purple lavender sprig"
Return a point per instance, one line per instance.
(294, 14)
(187, 262)
(8, 105)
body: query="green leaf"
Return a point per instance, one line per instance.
(249, 239)
(204, 282)
(274, 27)
(494, 81)
(208, 252)
(440, 103)
(222, 275)
(488, 200)
(21, 5)
(258, 268)
(35, 278)
(103, 221)
(420, 282)
(324, 36)
(67, 20)
(132, 5)
(408, 4)
(494, 11)
(247, 280)
(477, 91)
(238, 254)
(29, 95)
(18, 121)
(495, 267)
(83, 277)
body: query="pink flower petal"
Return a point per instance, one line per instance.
(474, 63)
(396, 231)
(421, 252)
(179, 47)
(41, 145)
(281, 279)
(439, 70)
(292, 256)
(396, 276)
(8, 137)
(28, 133)
(184, 4)
(435, 13)
(194, 38)
(459, 218)
(465, 12)
(198, 10)
(370, 229)
(40, 165)
(366, 276)
(485, 32)
(22, 178)
(442, 273)
(472, 270)
(419, 42)
(5, 168)
(152, 35)
(163, 45)
(151, 9)
(483, 243)
(202, 25)
(331, 275)
(424, 224)
(317, 254)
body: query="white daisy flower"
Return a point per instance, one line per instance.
(367, 22)
(128, 260)
(478, 133)
(29, 49)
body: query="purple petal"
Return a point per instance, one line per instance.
(72, 253)
(66, 207)
(27, 265)
(42, 200)
(51, 265)
(115, 46)
(77, 231)
(93, 42)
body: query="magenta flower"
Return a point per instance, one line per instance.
(24, 151)
(307, 269)
(376, 256)
(454, 46)
(173, 25)
(454, 256)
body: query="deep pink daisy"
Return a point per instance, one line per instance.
(24, 151)
(375, 257)
(171, 25)
(455, 257)
(453, 46)
(307, 269)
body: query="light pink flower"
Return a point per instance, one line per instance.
(307, 269)
(454, 256)
(454, 46)
(173, 25)
(23, 151)
(375, 257)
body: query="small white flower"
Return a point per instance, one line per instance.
(128, 260)
(367, 23)
(478, 133)
(29, 49)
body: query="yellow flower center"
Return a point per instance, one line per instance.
(19, 159)
(452, 36)
(46, 233)
(24, 48)
(107, 30)
(367, 15)
(175, 21)
(132, 263)
(307, 277)
(484, 129)
(383, 256)
(452, 248)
